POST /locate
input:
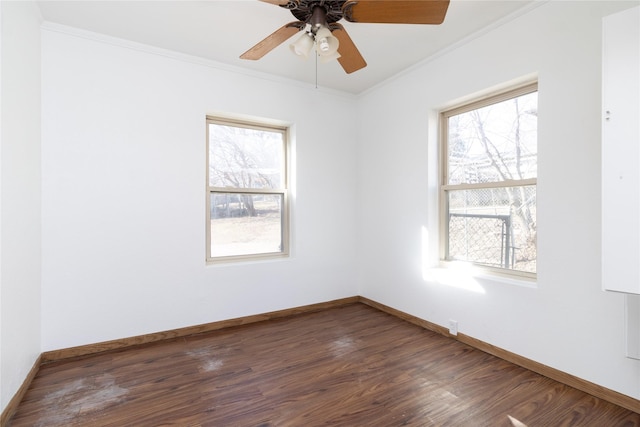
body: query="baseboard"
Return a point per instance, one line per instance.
(547, 371)
(12, 407)
(555, 374)
(90, 349)
(405, 316)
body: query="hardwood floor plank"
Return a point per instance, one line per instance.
(348, 366)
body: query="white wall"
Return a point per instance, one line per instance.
(123, 160)
(20, 192)
(565, 321)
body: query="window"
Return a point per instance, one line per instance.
(247, 215)
(488, 183)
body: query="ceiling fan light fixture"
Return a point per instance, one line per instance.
(303, 45)
(326, 43)
(328, 58)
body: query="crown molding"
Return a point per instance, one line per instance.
(183, 57)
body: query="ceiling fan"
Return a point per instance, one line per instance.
(318, 20)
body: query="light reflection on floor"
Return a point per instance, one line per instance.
(516, 422)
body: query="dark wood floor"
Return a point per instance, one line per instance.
(348, 366)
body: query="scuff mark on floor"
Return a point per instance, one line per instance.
(81, 398)
(207, 363)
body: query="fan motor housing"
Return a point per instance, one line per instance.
(304, 10)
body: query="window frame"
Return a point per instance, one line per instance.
(283, 192)
(445, 187)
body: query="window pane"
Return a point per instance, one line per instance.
(243, 224)
(245, 158)
(494, 227)
(494, 143)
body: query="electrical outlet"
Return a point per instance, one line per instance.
(453, 327)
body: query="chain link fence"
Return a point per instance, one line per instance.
(485, 239)
(494, 227)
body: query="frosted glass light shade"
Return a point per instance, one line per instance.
(326, 43)
(303, 45)
(328, 58)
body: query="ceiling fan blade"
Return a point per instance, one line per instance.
(283, 3)
(396, 11)
(350, 58)
(272, 41)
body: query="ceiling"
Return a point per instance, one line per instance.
(221, 30)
